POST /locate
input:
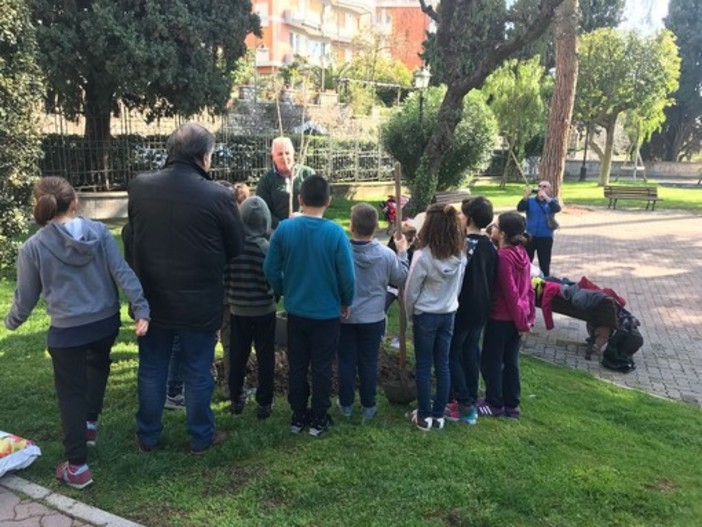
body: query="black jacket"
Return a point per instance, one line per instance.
(184, 228)
(475, 298)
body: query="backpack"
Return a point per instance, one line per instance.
(622, 344)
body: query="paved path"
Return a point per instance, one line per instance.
(24, 504)
(654, 260)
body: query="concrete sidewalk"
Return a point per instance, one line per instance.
(652, 259)
(24, 504)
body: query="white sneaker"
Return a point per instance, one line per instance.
(177, 402)
(422, 424)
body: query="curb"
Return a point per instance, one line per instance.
(64, 504)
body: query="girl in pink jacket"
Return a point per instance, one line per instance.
(511, 317)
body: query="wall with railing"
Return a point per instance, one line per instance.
(351, 153)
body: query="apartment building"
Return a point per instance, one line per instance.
(323, 30)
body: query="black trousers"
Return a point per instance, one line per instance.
(80, 377)
(499, 363)
(261, 331)
(542, 246)
(312, 345)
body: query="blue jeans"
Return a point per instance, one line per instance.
(432, 341)
(197, 354)
(464, 364)
(359, 345)
(500, 363)
(175, 372)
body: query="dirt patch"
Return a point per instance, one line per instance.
(388, 371)
(663, 485)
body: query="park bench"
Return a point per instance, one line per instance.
(648, 194)
(450, 197)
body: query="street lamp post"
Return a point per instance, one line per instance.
(421, 82)
(583, 169)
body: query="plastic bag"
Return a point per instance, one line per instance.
(16, 452)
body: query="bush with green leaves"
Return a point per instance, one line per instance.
(406, 133)
(20, 84)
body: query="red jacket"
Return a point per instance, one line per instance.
(514, 296)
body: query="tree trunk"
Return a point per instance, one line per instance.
(450, 114)
(561, 109)
(606, 161)
(98, 106)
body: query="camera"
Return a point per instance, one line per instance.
(535, 191)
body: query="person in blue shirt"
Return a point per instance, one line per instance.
(539, 204)
(309, 263)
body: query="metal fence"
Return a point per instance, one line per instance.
(137, 146)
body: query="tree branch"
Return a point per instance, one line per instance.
(507, 48)
(429, 11)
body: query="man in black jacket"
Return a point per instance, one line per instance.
(184, 228)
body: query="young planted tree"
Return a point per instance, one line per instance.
(20, 82)
(472, 41)
(565, 35)
(623, 71)
(681, 135)
(516, 92)
(162, 57)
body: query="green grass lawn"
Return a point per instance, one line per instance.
(584, 453)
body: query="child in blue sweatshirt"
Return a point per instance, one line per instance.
(309, 263)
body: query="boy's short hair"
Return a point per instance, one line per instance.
(479, 210)
(315, 191)
(364, 219)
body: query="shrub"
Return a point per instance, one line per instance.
(20, 86)
(405, 136)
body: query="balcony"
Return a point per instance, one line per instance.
(359, 7)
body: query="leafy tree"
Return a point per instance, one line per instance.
(406, 133)
(600, 13)
(373, 74)
(516, 93)
(472, 41)
(20, 82)
(681, 136)
(623, 71)
(594, 14)
(162, 57)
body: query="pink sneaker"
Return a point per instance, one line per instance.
(451, 412)
(91, 430)
(75, 476)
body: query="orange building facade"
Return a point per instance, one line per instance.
(322, 31)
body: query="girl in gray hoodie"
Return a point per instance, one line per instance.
(431, 297)
(74, 263)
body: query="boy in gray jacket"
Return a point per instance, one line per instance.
(376, 266)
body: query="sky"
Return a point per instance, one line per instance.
(636, 15)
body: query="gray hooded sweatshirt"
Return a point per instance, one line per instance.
(376, 266)
(433, 285)
(78, 276)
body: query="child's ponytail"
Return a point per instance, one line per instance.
(53, 196)
(513, 225)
